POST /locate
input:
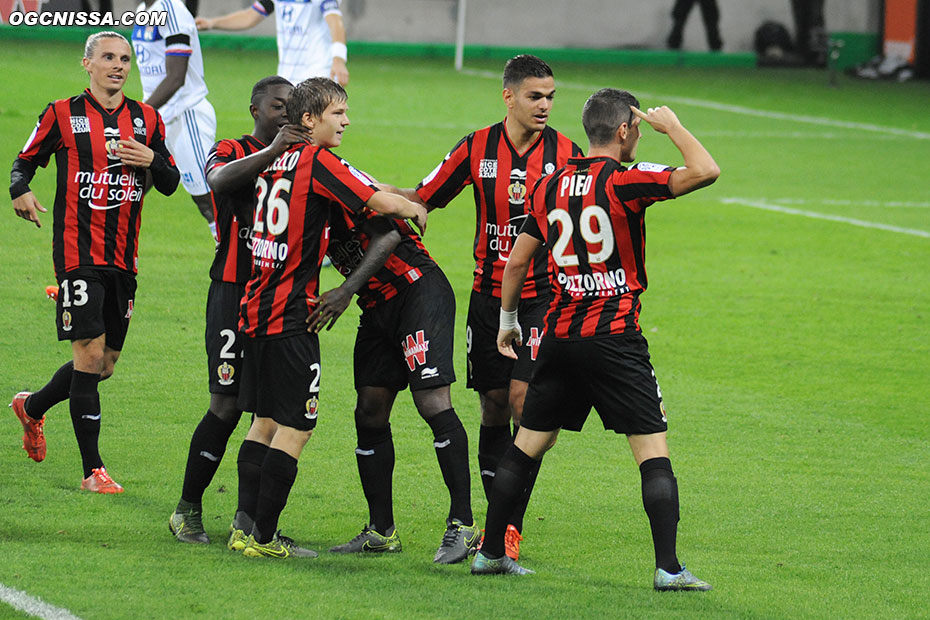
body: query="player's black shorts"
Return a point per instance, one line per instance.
(223, 340)
(94, 301)
(408, 339)
(281, 379)
(487, 368)
(612, 374)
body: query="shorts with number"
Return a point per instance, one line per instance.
(408, 339)
(95, 301)
(190, 136)
(611, 374)
(224, 342)
(487, 368)
(281, 379)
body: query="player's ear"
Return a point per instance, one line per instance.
(508, 97)
(622, 132)
(253, 110)
(307, 120)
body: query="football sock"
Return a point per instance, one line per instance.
(56, 390)
(516, 519)
(660, 499)
(278, 474)
(85, 417)
(208, 444)
(513, 471)
(375, 458)
(249, 463)
(492, 443)
(451, 443)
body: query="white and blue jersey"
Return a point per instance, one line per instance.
(153, 45)
(304, 39)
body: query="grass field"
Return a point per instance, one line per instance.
(787, 315)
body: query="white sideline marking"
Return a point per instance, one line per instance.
(32, 605)
(737, 109)
(885, 204)
(758, 204)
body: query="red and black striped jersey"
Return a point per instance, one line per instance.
(592, 215)
(501, 178)
(233, 212)
(98, 200)
(289, 236)
(348, 242)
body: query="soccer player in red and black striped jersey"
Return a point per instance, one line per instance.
(590, 216)
(502, 162)
(232, 167)
(282, 369)
(103, 143)
(405, 338)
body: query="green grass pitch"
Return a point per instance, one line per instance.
(787, 315)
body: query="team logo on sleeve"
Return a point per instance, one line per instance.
(415, 348)
(646, 166)
(225, 372)
(516, 191)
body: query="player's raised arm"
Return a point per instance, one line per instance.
(700, 169)
(242, 171)
(396, 206)
(518, 264)
(239, 20)
(337, 30)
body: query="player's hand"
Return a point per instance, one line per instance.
(28, 208)
(339, 72)
(203, 23)
(419, 220)
(507, 339)
(133, 153)
(662, 119)
(289, 135)
(330, 306)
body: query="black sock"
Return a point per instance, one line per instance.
(56, 390)
(249, 463)
(85, 417)
(278, 474)
(208, 444)
(509, 484)
(451, 443)
(660, 499)
(516, 519)
(375, 458)
(492, 443)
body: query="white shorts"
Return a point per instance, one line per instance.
(190, 136)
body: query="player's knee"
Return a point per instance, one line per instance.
(432, 401)
(371, 415)
(224, 407)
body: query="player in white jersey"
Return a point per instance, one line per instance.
(311, 36)
(171, 68)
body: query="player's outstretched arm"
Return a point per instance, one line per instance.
(700, 169)
(239, 20)
(244, 171)
(398, 207)
(518, 264)
(331, 304)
